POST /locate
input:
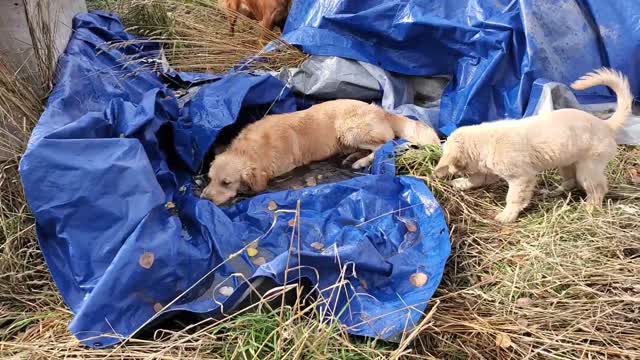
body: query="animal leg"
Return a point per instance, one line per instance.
(474, 181)
(266, 24)
(351, 157)
(518, 197)
(367, 160)
(591, 176)
(369, 133)
(232, 24)
(234, 6)
(569, 181)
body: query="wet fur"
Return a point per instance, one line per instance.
(278, 144)
(577, 143)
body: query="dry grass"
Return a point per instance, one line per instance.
(196, 36)
(560, 283)
(24, 281)
(24, 87)
(27, 294)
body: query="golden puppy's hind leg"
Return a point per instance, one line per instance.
(412, 130)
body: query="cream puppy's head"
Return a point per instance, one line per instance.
(454, 156)
(230, 174)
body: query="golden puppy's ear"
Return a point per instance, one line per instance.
(255, 178)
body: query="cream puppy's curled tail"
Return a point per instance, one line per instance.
(619, 84)
(412, 130)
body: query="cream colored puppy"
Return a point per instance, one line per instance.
(278, 144)
(577, 143)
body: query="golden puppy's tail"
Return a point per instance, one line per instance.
(412, 130)
(619, 84)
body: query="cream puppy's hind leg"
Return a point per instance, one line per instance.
(568, 174)
(474, 181)
(591, 176)
(518, 197)
(569, 182)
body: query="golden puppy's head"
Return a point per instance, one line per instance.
(453, 160)
(229, 174)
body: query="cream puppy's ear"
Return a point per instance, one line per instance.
(451, 161)
(441, 169)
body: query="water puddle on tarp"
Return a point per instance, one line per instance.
(321, 172)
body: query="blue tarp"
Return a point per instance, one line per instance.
(108, 170)
(493, 49)
(108, 175)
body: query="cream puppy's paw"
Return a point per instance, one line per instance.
(506, 217)
(461, 184)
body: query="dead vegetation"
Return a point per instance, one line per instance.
(560, 282)
(195, 35)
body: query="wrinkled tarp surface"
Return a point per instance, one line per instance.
(333, 77)
(493, 50)
(108, 175)
(419, 97)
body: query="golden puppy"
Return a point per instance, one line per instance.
(577, 143)
(279, 143)
(269, 13)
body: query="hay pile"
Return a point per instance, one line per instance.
(560, 282)
(195, 35)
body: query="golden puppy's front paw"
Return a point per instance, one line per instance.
(353, 157)
(362, 163)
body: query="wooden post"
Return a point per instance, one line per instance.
(15, 40)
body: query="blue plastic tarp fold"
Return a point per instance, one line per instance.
(108, 175)
(493, 50)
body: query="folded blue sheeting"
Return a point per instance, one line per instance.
(108, 175)
(493, 49)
